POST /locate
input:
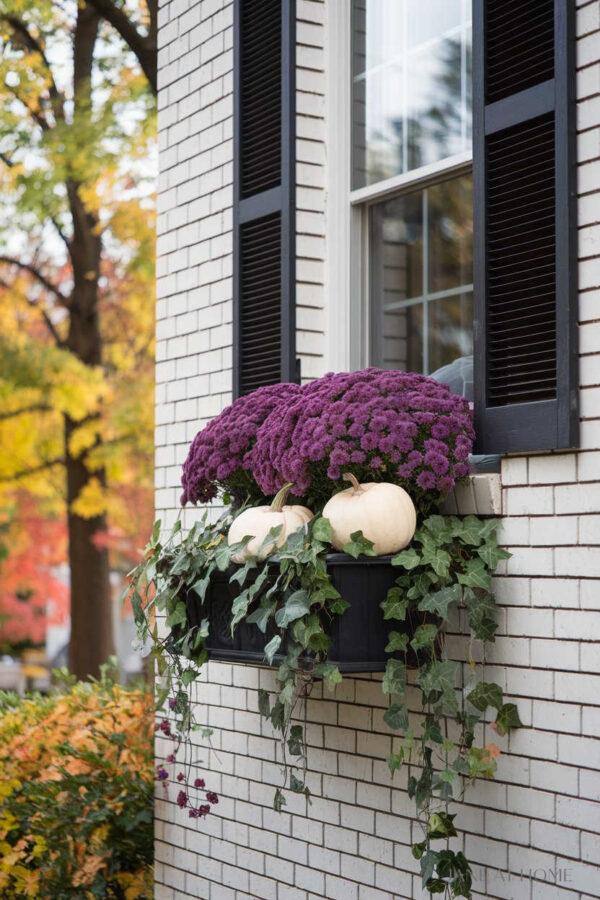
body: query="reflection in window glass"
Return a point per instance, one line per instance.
(421, 274)
(411, 85)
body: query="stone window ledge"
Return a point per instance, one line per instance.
(479, 495)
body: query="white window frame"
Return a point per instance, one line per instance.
(347, 270)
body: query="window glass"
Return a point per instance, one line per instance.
(421, 282)
(411, 85)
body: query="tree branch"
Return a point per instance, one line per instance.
(143, 46)
(33, 470)
(27, 40)
(49, 323)
(39, 276)
(35, 407)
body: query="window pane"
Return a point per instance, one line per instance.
(450, 234)
(411, 90)
(421, 281)
(450, 330)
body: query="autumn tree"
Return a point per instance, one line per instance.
(76, 274)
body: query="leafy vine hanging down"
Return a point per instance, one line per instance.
(447, 568)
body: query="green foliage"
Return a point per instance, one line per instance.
(446, 570)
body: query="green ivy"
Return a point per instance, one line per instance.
(444, 574)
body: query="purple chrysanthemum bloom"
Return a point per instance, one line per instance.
(161, 774)
(199, 783)
(182, 799)
(212, 797)
(219, 456)
(380, 425)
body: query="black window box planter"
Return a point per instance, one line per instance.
(358, 637)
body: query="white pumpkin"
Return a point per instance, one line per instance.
(383, 512)
(258, 521)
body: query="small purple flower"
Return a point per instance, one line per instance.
(165, 727)
(181, 777)
(212, 797)
(161, 774)
(182, 799)
(199, 783)
(172, 703)
(170, 758)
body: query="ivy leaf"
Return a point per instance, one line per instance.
(420, 585)
(200, 587)
(223, 554)
(188, 676)
(396, 717)
(482, 614)
(438, 559)
(397, 642)
(440, 527)
(278, 715)
(425, 636)
(306, 630)
(469, 530)
(272, 647)
(439, 678)
(242, 572)
(395, 605)
(486, 694)
(296, 606)
(264, 705)
(395, 761)
(431, 731)
(394, 679)
(441, 824)
(476, 575)
(321, 530)
(295, 741)
(507, 718)
(428, 864)
(278, 800)
(296, 785)
(491, 554)
(261, 615)
(440, 601)
(408, 559)
(330, 674)
(358, 545)
(269, 542)
(177, 616)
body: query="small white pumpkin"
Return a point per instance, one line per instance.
(258, 521)
(383, 512)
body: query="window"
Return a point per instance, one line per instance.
(411, 85)
(411, 149)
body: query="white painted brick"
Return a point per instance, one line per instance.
(529, 501)
(552, 469)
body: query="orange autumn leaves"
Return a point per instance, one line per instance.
(76, 779)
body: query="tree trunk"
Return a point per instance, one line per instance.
(91, 605)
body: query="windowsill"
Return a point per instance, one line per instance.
(478, 495)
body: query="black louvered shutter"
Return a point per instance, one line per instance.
(524, 225)
(264, 194)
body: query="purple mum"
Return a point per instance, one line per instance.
(219, 457)
(380, 425)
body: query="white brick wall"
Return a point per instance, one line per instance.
(543, 812)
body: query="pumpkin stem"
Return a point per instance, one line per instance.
(348, 476)
(281, 496)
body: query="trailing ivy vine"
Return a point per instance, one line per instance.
(443, 577)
